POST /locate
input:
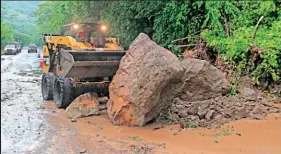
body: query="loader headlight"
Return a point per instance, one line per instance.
(75, 26)
(103, 28)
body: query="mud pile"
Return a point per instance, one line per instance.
(213, 113)
(150, 77)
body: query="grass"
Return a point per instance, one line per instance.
(224, 132)
(191, 124)
(136, 138)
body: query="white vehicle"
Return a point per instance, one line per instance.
(11, 49)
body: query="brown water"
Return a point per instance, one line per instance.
(243, 136)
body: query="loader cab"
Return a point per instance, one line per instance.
(89, 33)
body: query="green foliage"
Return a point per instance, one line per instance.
(127, 18)
(268, 39)
(23, 39)
(6, 33)
(18, 16)
(51, 16)
(191, 125)
(176, 20)
(219, 15)
(227, 27)
(224, 131)
(236, 48)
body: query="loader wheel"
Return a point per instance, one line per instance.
(63, 92)
(47, 83)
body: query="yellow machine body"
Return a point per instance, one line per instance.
(69, 45)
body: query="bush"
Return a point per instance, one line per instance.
(238, 50)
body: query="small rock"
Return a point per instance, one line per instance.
(73, 120)
(183, 113)
(259, 110)
(179, 106)
(241, 113)
(156, 128)
(256, 116)
(209, 115)
(216, 141)
(202, 111)
(274, 110)
(193, 109)
(193, 118)
(82, 150)
(102, 107)
(249, 94)
(218, 116)
(83, 106)
(238, 134)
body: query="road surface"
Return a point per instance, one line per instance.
(22, 110)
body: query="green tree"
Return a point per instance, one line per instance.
(6, 33)
(227, 26)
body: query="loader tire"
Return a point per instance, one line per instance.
(47, 83)
(63, 92)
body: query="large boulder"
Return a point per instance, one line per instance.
(150, 77)
(202, 81)
(136, 87)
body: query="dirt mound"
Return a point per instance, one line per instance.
(150, 77)
(213, 113)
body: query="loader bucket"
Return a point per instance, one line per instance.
(85, 63)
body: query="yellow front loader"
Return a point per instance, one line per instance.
(78, 60)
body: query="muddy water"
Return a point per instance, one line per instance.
(22, 112)
(98, 135)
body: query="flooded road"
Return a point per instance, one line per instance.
(22, 111)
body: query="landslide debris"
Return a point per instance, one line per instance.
(213, 113)
(150, 77)
(153, 84)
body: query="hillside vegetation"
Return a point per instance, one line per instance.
(225, 28)
(18, 22)
(243, 36)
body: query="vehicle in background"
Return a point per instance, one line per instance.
(11, 49)
(32, 48)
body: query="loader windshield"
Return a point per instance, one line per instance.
(94, 34)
